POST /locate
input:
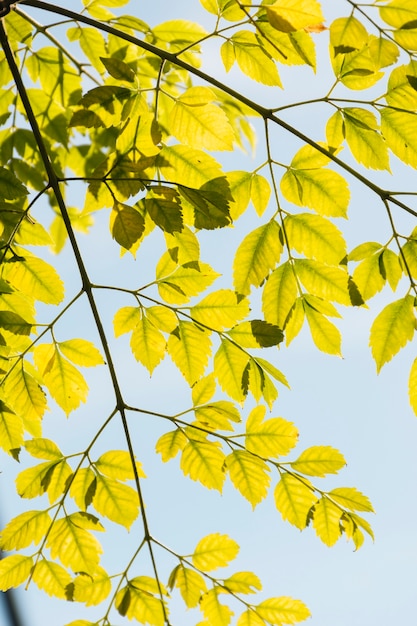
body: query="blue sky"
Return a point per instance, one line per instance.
(337, 402)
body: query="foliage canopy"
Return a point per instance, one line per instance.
(101, 110)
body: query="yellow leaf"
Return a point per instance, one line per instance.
(217, 415)
(213, 610)
(162, 317)
(294, 499)
(43, 449)
(351, 498)
(73, 545)
(140, 605)
(148, 344)
(170, 444)
(326, 521)
(319, 461)
(368, 277)
(250, 618)
(283, 610)
(324, 334)
(24, 529)
(188, 166)
(315, 237)
(177, 284)
(253, 60)
(25, 397)
(52, 578)
(322, 190)
(399, 129)
(83, 487)
(191, 585)
(392, 329)
(196, 121)
(92, 590)
(230, 364)
(279, 294)
(203, 461)
(118, 464)
(291, 15)
(36, 278)
(126, 319)
(116, 501)
(189, 346)
(81, 352)
(260, 192)
(214, 551)
(243, 582)
(11, 430)
(203, 390)
(49, 477)
(329, 282)
(14, 570)
(65, 383)
(256, 256)
(364, 139)
(220, 309)
(412, 386)
(271, 438)
(249, 474)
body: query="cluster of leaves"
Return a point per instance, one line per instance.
(126, 111)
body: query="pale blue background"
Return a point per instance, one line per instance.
(332, 401)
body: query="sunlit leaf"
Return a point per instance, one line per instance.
(214, 551)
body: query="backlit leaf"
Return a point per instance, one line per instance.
(319, 461)
(189, 346)
(326, 521)
(118, 464)
(230, 364)
(256, 256)
(283, 610)
(393, 327)
(221, 309)
(269, 438)
(249, 474)
(73, 545)
(351, 498)
(294, 498)
(191, 585)
(243, 582)
(14, 570)
(291, 15)
(170, 444)
(214, 551)
(213, 610)
(116, 501)
(81, 352)
(24, 529)
(92, 589)
(52, 578)
(203, 461)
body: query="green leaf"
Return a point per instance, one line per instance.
(271, 438)
(294, 498)
(14, 570)
(10, 186)
(393, 327)
(203, 461)
(326, 521)
(249, 474)
(126, 225)
(283, 610)
(319, 461)
(256, 256)
(118, 69)
(214, 551)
